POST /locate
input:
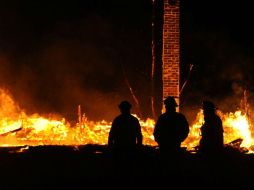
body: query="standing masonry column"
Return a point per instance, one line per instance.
(171, 50)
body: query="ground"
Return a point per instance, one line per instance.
(92, 166)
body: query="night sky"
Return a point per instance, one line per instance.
(55, 55)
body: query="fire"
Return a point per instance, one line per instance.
(235, 125)
(19, 129)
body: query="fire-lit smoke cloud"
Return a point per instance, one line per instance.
(220, 51)
(55, 57)
(221, 71)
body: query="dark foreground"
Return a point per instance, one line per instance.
(93, 167)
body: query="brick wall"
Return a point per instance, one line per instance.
(171, 50)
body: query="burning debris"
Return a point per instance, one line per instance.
(11, 131)
(236, 144)
(19, 129)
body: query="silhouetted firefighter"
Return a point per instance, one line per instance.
(211, 141)
(125, 133)
(171, 129)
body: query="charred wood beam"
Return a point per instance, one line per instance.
(12, 131)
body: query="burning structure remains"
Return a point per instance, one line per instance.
(20, 129)
(17, 128)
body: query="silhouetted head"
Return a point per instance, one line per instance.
(170, 103)
(208, 106)
(124, 106)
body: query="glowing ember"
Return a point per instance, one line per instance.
(19, 129)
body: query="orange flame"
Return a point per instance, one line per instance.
(236, 126)
(19, 129)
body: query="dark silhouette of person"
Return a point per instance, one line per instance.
(211, 141)
(125, 142)
(125, 133)
(171, 128)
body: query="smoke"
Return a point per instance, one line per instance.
(222, 71)
(220, 51)
(54, 58)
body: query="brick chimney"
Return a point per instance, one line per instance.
(171, 50)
